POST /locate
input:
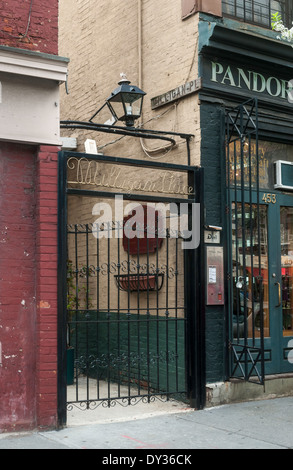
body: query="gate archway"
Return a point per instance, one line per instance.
(130, 305)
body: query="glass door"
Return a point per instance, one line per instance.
(284, 281)
(260, 258)
(252, 285)
(263, 272)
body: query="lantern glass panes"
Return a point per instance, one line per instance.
(126, 102)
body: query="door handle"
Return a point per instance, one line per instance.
(279, 293)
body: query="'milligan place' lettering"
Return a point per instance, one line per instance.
(253, 81)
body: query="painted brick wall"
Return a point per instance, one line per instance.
(212, 141)
(27, 25)
(100, 44)
(46, 289)
(28, 287)
(17, 286)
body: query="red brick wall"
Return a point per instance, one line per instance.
(17, 286)
(42, 34)
(46, 251)
(28, 287)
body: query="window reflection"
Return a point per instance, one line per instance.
(287, 268)
(258, 11)
(267, 152)
(250, 258)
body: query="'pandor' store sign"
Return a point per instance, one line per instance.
(221, 74)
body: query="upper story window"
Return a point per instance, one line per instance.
(259, 11)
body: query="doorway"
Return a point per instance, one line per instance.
(129, 314)
(274, 222)
(259, 250)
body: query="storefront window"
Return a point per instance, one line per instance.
(287, 269)
(250, 259)
(258, 11)
(269, 152)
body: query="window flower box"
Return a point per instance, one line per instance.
(140, 282)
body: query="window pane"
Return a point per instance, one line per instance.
(258, 11)
(287, 268)
(268, 152)
(246, 264)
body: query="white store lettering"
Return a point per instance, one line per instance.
(253, 81)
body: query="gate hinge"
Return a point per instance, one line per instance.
(227, 210)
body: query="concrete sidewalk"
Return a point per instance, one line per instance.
(266, 424)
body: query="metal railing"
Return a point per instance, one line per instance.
(258, 12)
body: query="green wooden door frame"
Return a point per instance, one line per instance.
(279, 343)
(276, 346)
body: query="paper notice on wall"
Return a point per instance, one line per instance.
(212, 275)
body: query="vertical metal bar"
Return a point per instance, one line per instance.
(76, 305)
(138, 309)
(176, 315)
(236, 237)
(201, 273)
(98, 307)
(251, 241)
(128, 320)
(195, 306)
(243, 219)
(148, 321)
(108, 315)
(188, 150)
(167, 313)
(250, 110)
(87, 314)
(261, 313)
(157, 305)
(270, 13)
(119, 225)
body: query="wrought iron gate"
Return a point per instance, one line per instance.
(128, 312)
(246, 314)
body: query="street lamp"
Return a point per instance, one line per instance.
(126, 102)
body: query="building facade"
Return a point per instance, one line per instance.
(30, 75)
(216, 71)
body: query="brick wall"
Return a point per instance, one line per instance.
(46, 269)
(27, 25)
(28, 287)
(97, 38)
(17, 286)
(212, 140)
(28, 247)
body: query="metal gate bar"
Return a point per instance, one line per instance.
(85, 317)
(243, 202)
(148, 339)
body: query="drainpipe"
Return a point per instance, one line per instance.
(139, 21)
(140, 78)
